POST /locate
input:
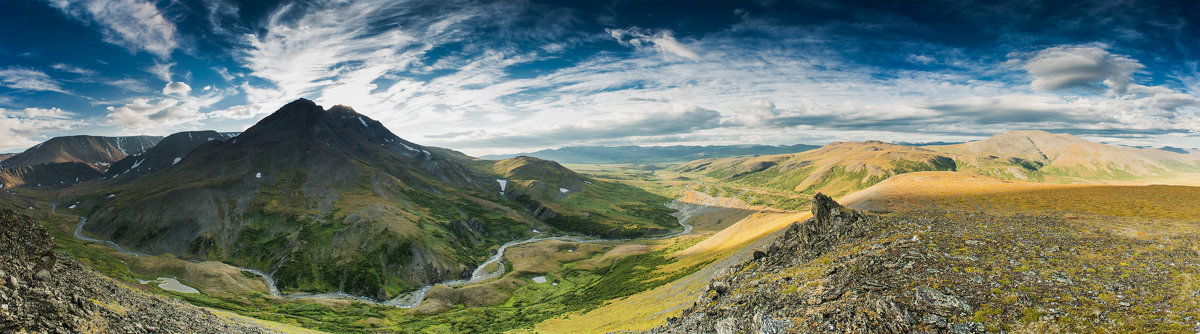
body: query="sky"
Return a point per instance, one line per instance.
(512, 76)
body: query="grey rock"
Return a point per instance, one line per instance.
(940, 303)
(719, 286)
(934, 320)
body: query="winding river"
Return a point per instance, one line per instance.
(684, 212)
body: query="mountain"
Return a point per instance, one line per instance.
(95, 151)
(325, 200)
(167, 152)
(1065, 155)
(5, 156)
(572, 202)
(46, 291)
(837, 168)
(651, 154)
(1180, 150)
(66, 161)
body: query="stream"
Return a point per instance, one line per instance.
(684, 212)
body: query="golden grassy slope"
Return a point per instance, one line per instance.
(960, 191)
(1067, 155)
(650, 308)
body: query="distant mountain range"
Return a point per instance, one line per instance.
(65, 161)
(651, 154)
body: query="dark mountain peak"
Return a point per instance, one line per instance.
(300, 104)
(342, 109)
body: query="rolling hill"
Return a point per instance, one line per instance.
(1064, 155)
(837, 168)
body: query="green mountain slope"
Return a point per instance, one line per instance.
(326, 200)
(571, 202)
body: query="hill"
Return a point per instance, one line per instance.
(1026, 269)
(571, 202)
(837, 168)
(1064, 155)
(651, 154)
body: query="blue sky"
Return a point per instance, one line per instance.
(508, 76)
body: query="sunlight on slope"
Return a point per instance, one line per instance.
(648, 309)
(968, 192)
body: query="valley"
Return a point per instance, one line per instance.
(380, 234)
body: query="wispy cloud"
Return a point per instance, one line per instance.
(663, 40)
(136, 25)
(74, 69)
(161, 70)
(29, 79)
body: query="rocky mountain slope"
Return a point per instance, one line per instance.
(652, 154)
(928, 270)
(56, 175)
(167, 152)
(66, 161)
(95, 151)
(44, 291)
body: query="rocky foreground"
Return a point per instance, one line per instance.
(959, 272)
(44, 291)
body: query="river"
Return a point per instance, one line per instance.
(684, 212)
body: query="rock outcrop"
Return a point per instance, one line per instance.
(44, 291)
(787, 289)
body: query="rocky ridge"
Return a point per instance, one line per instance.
(951, 272)
(45, 291)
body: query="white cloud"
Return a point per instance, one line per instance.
(177, 88)
(782, 87)
(74, 69)
(23, 128)
(132, 24)
(129, 85)
(29, 79)
(663, 41)
(159, 115)
(161, 70)
(1081, 66)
